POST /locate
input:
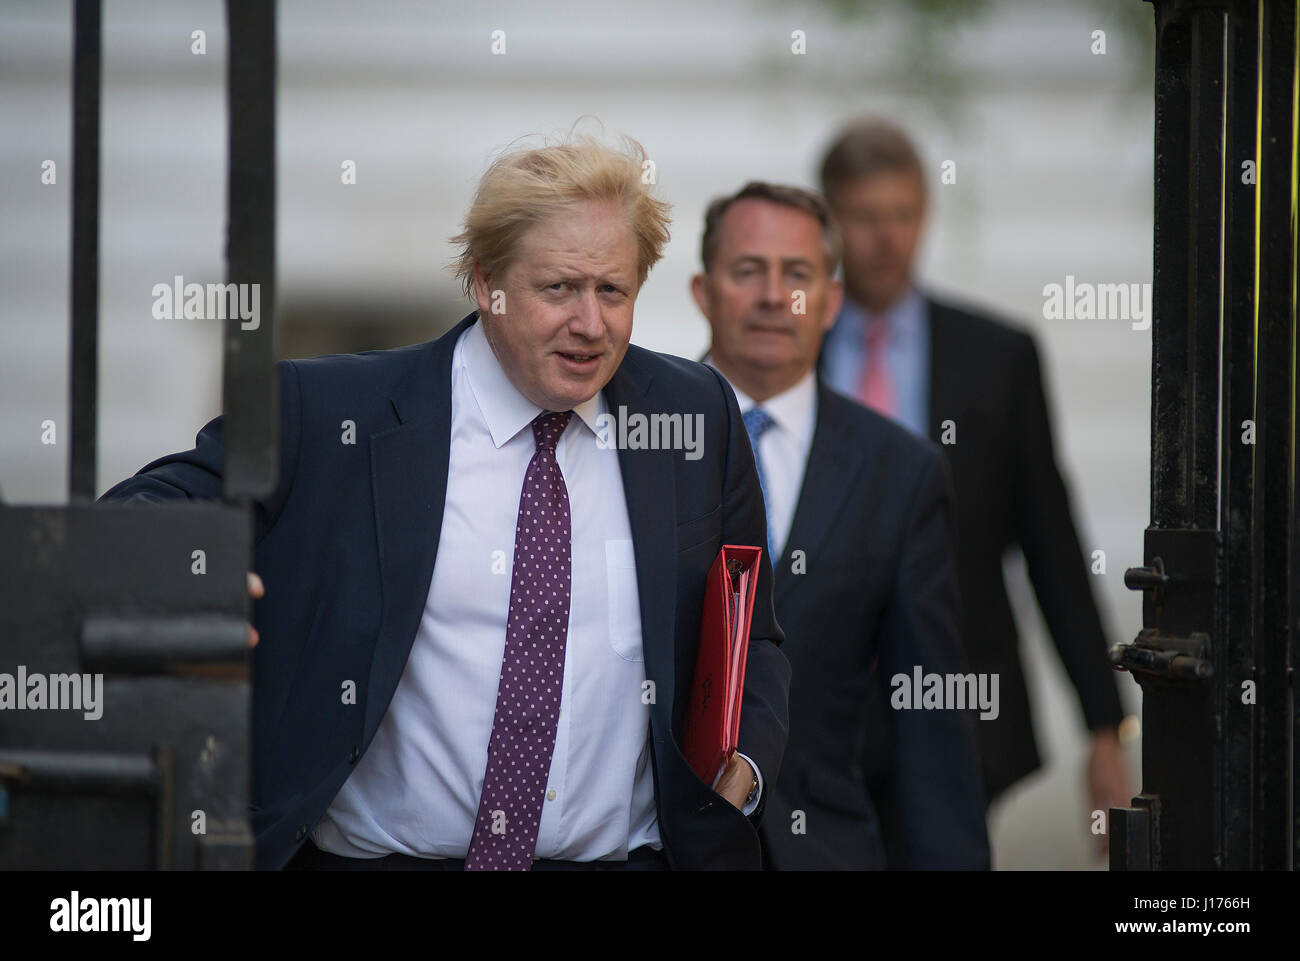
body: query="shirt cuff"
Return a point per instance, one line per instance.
(749, 808)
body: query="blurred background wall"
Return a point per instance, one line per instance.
(1052, 145)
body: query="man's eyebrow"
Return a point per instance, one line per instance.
(562, 271)
(762, 261)
(547, 274)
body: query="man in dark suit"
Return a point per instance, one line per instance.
(480, 619)
(974, 385)
(860, 524)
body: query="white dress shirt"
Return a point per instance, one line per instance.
(416, 790)
(783, 449)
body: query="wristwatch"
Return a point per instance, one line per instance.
(753, 788)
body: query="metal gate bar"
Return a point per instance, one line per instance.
(1233, 656)
(250, 389)
(1273, 806)
(83, 382)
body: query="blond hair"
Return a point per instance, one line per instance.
(524, 187)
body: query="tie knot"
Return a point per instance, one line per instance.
(877, 331)
(548, 426)
(757, 421)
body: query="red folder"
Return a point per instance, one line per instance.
(712, 729)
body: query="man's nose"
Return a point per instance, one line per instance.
(774, 291)
(586, 320)
(896, 233)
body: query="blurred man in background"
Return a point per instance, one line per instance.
(974, 385)
(860, 529)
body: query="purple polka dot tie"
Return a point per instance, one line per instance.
(532, 671)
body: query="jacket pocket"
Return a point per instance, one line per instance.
(698, 530)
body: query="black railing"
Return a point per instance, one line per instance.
(1217, 649)
(155, 773)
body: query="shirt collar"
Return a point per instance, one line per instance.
(905, 315)
(504, 408)
(794, 409)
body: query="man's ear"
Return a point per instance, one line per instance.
(834, 300)
(482, 290)
(700, 291)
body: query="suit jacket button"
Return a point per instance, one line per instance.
(302, 832)
(352, 758)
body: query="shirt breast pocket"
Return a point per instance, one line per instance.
(623, 600)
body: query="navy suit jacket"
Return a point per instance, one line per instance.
(877, 596)
(347, 542)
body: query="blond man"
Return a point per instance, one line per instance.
(511, 586)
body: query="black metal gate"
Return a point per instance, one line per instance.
(1216, 654)
(160, 778)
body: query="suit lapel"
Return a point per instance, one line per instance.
(650, 491)
(408, 469)
(833, 463)
(943, 370)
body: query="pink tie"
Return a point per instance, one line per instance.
(876, 386)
